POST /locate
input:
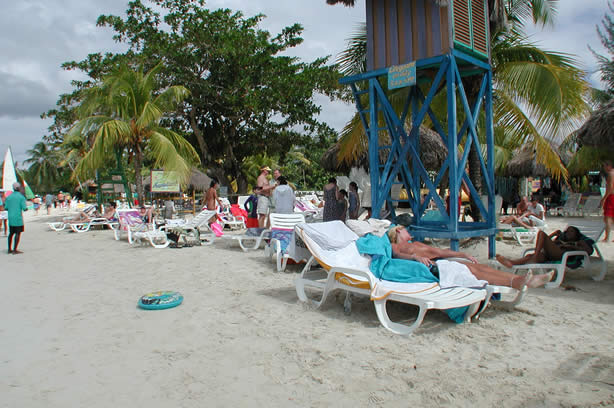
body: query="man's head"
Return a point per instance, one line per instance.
(265, 170)
(257, 189)
(16, 186)
(142, 209)
(353, 186)
(213, 183)
(276, 174)
(534, 199)
(398, 234)
(332, 180)
(282, 180)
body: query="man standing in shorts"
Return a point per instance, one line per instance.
(15, 204)
(607, 202)
(264, 195)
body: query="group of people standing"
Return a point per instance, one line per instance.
(340, 204)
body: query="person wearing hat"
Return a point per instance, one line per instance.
(264, 194)
(15, 204)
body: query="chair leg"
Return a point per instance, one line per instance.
(402, 329)
(603, 264)
(560, 274)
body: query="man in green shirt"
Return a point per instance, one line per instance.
(15, 204)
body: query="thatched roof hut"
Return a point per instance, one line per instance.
(432, 152)
(598, 131)
(523, 164)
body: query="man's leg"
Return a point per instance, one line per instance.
(10, 239)
(609, 223)
(17, 238)
(502, 278)
(542, 241)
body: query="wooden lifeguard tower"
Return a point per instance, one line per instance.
(428, 47)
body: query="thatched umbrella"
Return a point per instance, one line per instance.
(432, 153)
(523, 164)
(598, 131)
(199, 180)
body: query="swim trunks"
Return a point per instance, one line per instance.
(608, 206)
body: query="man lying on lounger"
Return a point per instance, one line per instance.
(403, 247)
(550, 248)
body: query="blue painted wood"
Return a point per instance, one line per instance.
(458, 54)
(402, 145)
(436, 28)
(370, 44)
(421, 18)
(490, 156)
(392, 36)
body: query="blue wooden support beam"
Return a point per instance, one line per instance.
(452, 159)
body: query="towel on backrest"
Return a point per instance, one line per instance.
(284, 236)
(330, 235)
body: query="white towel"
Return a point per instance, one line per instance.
(453, 274)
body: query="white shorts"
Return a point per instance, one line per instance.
(536, 221)
(263, 205)
(4, 215)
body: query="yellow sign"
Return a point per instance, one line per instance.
(164, 182)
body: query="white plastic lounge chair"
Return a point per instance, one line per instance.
(226, 218)
(282, 227)
(592, 230)
(85, 226)
(130, 223)
(61, 225)
(250, 241)
(348, 270)
(197, 226)
(571, 206)
(591, 206)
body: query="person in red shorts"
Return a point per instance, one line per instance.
(607, 202)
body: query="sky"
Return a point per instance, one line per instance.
(37, 36)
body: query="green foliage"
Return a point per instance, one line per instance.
(121, 115)
(245, 97)
(605, 63)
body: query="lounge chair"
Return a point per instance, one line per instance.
(346, 269)
(251, 239)
(130, 223)
(227, 218)
(571, 206)
(198, 226)
(85, 226)
(591, 206)
(592, 230)
(282, 229)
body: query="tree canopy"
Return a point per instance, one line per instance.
(246, 95)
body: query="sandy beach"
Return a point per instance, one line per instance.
(72, 335)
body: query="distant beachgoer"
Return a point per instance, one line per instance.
(284, 197)
(264, 202)
(342, 205)
(331, 196)
(15, 204)
(61, 199)
(169, 209)
(251, 206)
(36, 202)
(533, 216)
(607, 202)
(354, 201)
(49, 202)
(211, 197)
(3, 215)
(145, 214)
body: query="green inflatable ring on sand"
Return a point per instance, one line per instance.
(160, 300)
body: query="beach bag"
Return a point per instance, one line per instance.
(217, 229)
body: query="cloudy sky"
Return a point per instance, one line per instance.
(36, 36)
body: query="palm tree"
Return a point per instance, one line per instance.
(536, 94)
(44, 166)
(122, 115)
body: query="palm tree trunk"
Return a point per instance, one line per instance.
(138, 164)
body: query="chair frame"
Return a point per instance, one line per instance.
(282, 221)
(355, 280)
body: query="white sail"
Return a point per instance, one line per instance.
(8, 172)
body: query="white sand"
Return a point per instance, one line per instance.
(72, 336)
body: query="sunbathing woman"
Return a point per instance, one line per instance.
(403, 247)
(83, 216)
(549, 248)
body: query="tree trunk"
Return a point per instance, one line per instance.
(200, 139)
(138, 164)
